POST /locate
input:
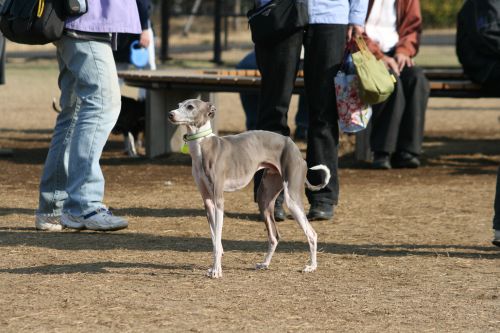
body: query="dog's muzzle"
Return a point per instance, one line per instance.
(171, 116)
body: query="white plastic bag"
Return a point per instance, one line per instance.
(354, 114)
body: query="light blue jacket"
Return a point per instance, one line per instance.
(108, 16)
(335, 11)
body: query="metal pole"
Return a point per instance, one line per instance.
(189, 22)
(165, 30)
(217, 32)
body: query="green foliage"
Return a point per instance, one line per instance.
(440, 13)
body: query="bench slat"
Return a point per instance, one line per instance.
(448, 82)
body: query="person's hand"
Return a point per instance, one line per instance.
(403, 61)
(353, 31)
(144, 40)
(391, 64)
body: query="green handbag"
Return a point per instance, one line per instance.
(376, 83)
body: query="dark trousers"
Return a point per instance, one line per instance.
(492, 83)
(398, 123)
(324, 46)
(496, 218)
(250, 101)
(2, 59)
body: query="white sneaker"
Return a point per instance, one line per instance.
(48, 223)
(496, 239)
(101, 220)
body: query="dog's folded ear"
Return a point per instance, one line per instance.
(211, 110)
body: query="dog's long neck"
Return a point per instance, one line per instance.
(194, 145)
(192, 130)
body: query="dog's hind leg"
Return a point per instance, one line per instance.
(293, 199)
(130, 145)
(269, 188)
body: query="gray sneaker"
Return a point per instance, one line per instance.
(48, 222)
(100, 220)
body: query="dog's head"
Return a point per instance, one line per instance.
(192, 112)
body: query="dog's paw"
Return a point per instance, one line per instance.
(309, 269)
(214, 273)
(262, 266)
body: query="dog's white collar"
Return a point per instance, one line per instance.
(198, 135)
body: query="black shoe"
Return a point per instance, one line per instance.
(403, 159)
(381, 161)
(279, 212)
(496, 239)
(320, 211)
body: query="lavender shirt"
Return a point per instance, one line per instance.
(108, 16)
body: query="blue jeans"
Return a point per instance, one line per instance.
(72, 180)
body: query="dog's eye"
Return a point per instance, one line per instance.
(189, 107)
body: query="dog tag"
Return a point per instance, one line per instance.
(185, 148)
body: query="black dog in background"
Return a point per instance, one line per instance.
(131, 123)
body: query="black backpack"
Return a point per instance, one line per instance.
(478, 39)
(32, 21)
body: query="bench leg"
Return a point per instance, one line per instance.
(162, 137)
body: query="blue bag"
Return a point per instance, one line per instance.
(139, 56)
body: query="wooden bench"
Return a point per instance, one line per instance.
(166, 88)
(444, 82)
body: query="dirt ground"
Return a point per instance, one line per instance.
(407, 251)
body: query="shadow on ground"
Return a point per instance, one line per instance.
(460, 156)
(77, 241)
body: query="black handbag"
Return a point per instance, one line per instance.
(277, 20)
(32, 21)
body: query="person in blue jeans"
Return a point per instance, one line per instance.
(72, 184)
(250, 102)
(2, 59)
(3, 151)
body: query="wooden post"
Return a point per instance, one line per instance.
(217, 32)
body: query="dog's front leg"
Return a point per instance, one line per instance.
(209, 203)
(210, 211)
(216, 270)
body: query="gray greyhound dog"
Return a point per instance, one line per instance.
(229, 163)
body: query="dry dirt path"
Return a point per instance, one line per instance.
(408, 250)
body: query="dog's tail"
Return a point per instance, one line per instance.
(326, 180)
